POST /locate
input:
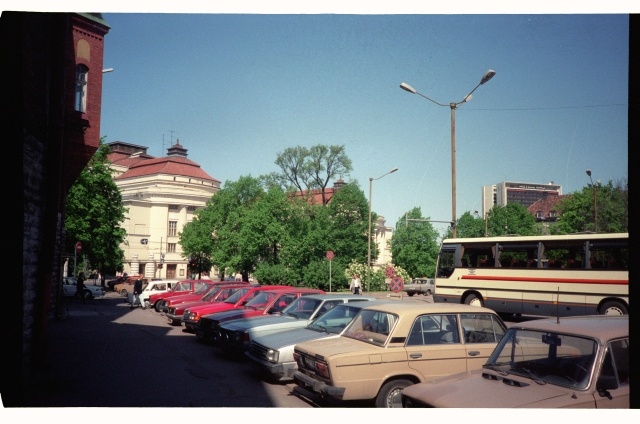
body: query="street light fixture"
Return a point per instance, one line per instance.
(486, 77)
(369, 232)
(595, 204)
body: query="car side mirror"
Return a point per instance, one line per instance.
(606, 383)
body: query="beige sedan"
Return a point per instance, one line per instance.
(391, 346)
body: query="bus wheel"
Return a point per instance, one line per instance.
(613, 308)
(473, 300)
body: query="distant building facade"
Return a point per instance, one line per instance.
(162, 196)
(525, 194)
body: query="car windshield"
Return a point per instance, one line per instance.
(302, 308)
(181, 287)
(204, 289)
(237, 295)
(335, 320)
(260, 301)
(560, 359)
(371, 326)
(213, 293)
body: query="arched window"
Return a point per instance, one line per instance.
(81, 88)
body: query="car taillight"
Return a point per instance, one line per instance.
(297, 358)
(322, 369)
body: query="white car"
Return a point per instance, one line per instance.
(69, 285)
(153, 287)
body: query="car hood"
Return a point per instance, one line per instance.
(290, 337)
(489, 389)
(262, 321)
(241, 313)
(212, 308)
(181, 307)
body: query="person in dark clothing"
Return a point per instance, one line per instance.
(80, 287)
(137, 291)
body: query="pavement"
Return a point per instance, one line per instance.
(96, 358)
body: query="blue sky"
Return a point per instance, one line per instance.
(237, 89)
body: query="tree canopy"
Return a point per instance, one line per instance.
(93, 215)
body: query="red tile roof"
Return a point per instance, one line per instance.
(171, 165)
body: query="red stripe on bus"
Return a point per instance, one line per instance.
(546, 280)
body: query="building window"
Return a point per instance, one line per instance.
(173, 207)
(539, 215)
(171, 247)
(553, 214)
(173, 228)
(191, 208)
(81, 88)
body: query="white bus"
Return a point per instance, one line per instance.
(576, 274)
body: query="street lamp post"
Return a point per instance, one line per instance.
(595, 203)
(453, 106)
(369, 232)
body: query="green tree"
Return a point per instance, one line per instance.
(577, 210)
(305, 169)
(94, 213)
(511, 219)
(469, 225)
(414, 245)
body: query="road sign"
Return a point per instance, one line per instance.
(144, 241)
(330, 254)
(78, 247)
(397, 284)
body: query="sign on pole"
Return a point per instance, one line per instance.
(78, 247)
(330, 257)
(397, 284)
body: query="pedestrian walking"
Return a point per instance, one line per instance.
(137, 291)
(355, 284)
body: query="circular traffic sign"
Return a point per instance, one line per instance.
(330, 254)
(78, 247)
(397, 284)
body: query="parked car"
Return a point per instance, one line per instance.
(215, 293)
(182, 287)
(571, 362)
(192, 315)
(272, 354)
(187, 297)
(390, 346)
(264, 303)
(112, 282)
(153, 287)
(425, 286)
(235, 336)
(70, 285)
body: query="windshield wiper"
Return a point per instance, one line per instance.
(533, 376)
(494, 367)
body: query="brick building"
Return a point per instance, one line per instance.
(52, 91)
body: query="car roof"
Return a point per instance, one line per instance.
(604, 327)
(330, 296)
(399, 306)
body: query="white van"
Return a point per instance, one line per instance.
(156, 286)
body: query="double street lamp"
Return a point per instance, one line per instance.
(486, 77)
(595, 203)
(369, 232)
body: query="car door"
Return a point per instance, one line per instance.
(434, 348)
(481, 333)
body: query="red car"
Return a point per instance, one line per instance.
(192, 314)
(190, 297)
(183, 287)
(265, 303)
(218, 293)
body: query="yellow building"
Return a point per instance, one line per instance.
(162, 195)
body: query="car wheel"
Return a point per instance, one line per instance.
(145, 304)
(428, 293)
(86, 295)
(123, 292)
(156, 306)
(410, 294)
(473, 300)
(389, 395)
(613, 308)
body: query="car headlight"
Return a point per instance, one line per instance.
(273, 355)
